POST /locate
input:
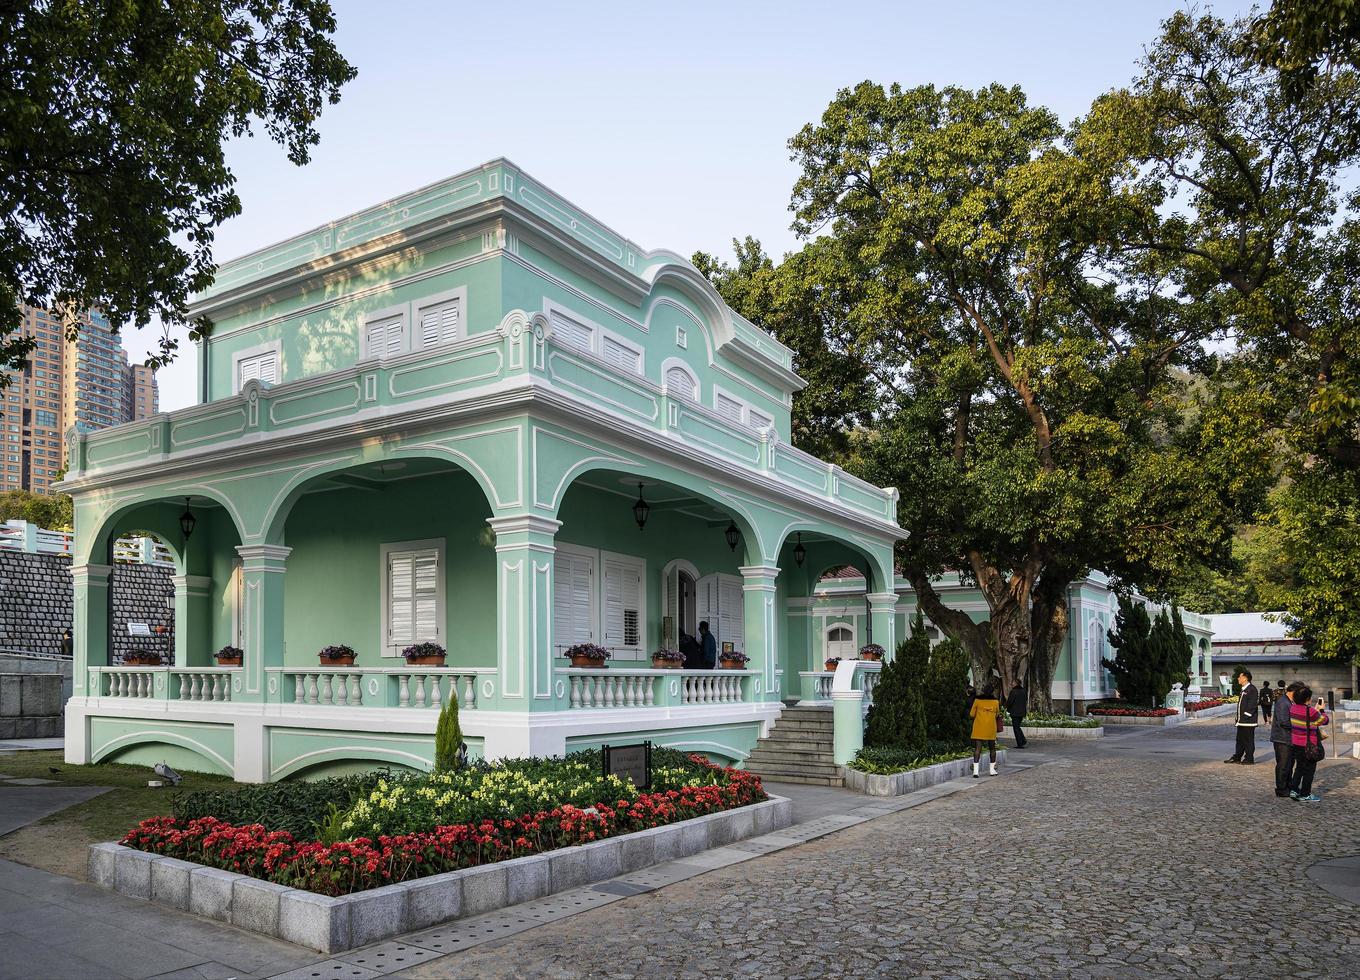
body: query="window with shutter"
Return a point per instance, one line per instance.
(439, 323)
(731, 625)
(759, 420)
(572, 333)
(728, 408)
(414, 595)
(840, 642)
(262, 367)
(620, 355)
(385, 337)
(679, 383)
(622, 600)
(573, 598)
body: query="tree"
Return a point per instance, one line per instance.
(448, 736)
(1133, 665)
(1021, 379)
(1260, 578)
(897, 717)
(1297, 36)
(50, 511)
(946, 694)
(1230, 182)
(112, 122)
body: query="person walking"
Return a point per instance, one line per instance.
(984, 711)
(1304, 723)
(1017, 706)
(1282, 738)
(1247, 709)
(1267, 702)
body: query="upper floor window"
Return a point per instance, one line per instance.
(758, 420)
(681, 383)
(260, 365)
(572, 332)
(623, 356)
(739, 412)
(728, 408)
(385, 336)
(439, 322)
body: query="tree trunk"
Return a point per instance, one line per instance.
(958, 626)
(1049, 625)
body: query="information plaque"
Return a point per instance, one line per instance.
(631, 762)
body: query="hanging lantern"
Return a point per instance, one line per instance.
(799, 552)
(641, 509)
(732, 534)
(187, 520)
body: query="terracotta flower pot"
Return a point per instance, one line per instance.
(347, 661)
(871, 656)
(434, 660)
(726, 664)
(830, 667)
(667, 664)
(152, 661)
(579, 661)
(228, 661)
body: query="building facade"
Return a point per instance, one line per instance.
(1262, 643)
(84, 383)
(834, 621)
(476, 416)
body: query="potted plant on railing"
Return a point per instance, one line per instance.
(667, 659)
(830, 664)
(141, 658)
(587, 655)
(871, 651)
(229, 656)
(733, 661)
(336, 656)
(424, 655)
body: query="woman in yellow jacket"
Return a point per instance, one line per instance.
(984, 712)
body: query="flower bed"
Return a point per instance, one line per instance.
(1042, 719)
(1206, 703)
(363, 862)
(1133, 712)
(887, 761)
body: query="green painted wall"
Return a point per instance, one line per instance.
(720, 743)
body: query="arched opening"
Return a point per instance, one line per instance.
(632, 589)
(387, 555)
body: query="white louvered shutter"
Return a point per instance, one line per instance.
(679, 383)
(621, 356)
(385, 338)
(623, 606)
(672, 590)
(413, 596)
(759, 420)
(572, 333)
(728, 408)
(439, 324)
(573, 580)
(731, 625)
(263, 368)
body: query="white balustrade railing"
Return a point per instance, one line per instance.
(335, 686)
(612, 688)
(202, 683)
(712, 687)
(821, 683)
(433, 687)
(125, 682)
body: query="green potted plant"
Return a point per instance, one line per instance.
(831, 663)
(424, 655)
(141, 658)
(667, 659)
(871, 651)
(336, 656)
(733, 661)
(229, 656)
(587, 655)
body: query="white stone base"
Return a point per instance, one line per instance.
(901, 783)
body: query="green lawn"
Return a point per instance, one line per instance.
(58, 842)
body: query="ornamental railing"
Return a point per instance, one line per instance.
(612, 687)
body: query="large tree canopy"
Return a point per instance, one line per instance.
(1231, 184)
(113, 115)
(1022, 372)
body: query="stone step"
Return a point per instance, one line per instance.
(806, 768)
(769, 754)
(811, 734)
(804, 724)
(803, 780)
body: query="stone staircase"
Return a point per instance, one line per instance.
(798, 749)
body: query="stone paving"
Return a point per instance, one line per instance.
(1095, 863)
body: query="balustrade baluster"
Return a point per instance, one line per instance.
(420, 691)
(648, 691)
(313, 688)
(629, 691)
(436, 692)
(299, 689)
(469, 692)
(607, 683)
(403, 691)
(575, 699)
(356, 691)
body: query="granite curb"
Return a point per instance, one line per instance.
(336, 924)
(901, 783)
(1053, 732)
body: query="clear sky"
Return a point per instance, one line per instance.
(669, 122)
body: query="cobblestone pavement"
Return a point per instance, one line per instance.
(1097, 862)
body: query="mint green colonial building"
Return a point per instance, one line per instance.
(835, 618)
(430, 421)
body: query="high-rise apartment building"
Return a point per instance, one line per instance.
(86, 383)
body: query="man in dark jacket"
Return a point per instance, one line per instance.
(1282, 737)
(1017, 706)
(708, 643)
(1247, 708)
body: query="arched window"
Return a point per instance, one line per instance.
(680, 383)
(840, 641)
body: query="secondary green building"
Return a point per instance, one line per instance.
(434, 421)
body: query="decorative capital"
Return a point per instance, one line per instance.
(266, 557)
(758, 576)
(91, 574)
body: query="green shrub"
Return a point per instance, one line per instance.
(448, 736)
(885, 761)
(946, 694)
(898, 715)
(297, 806)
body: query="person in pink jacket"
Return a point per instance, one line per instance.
(1304, 726)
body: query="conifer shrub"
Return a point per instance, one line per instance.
(897, 718)
(946, 694)
(448, 737)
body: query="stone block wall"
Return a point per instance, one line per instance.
(30, 705)
(36, 604)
